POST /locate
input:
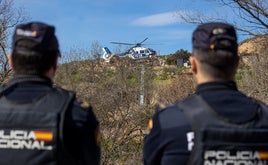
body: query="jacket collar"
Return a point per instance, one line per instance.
(29, 78)
(217, 85)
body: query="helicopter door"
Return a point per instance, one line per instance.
(136, 54)
(142, 52)
(147, 52)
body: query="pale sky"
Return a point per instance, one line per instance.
(79, 23)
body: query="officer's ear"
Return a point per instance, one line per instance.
(10, 61)
(193, 64)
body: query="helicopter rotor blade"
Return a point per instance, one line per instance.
(143, 40)
(122, 43)
(139, 44)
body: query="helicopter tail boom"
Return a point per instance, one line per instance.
(107, 54)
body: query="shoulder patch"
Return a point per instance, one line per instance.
(150, 124)
(84, 105)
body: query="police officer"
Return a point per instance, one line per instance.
(218, 124)
(40, 123)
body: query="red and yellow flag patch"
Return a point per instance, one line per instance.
(43, 135)
(263, 155)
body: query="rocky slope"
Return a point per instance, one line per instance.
(253, 45)
(251, 49)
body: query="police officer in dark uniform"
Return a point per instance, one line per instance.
(218, 124)
(40, 123)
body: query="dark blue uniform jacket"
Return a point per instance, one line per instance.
(167, 143)
(80, 124)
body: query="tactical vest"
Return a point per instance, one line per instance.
(31, 132)
(219, 141)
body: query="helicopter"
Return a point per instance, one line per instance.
(136, 51)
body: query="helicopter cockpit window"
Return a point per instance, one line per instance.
(147, 51)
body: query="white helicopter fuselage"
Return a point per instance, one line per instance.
(134, 53)
(140, 52)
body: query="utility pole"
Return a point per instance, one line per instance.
(142, 85)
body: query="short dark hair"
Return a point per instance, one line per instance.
(219, 64)
(35, 48)
(34, 63)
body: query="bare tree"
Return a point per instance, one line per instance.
(96, 50)
(249, 16)
(9, 18)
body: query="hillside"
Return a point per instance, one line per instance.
(253, 75)
(125, 93)
(253, 45)
(115, 91)
(251, 50)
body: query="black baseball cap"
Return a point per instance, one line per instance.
(215, 36)
(35, 37)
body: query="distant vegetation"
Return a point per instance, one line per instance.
(115, 91)
(125, 93)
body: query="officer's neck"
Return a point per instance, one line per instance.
(50, 73)
(202, 78)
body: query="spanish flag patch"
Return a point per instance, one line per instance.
(43, 135)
